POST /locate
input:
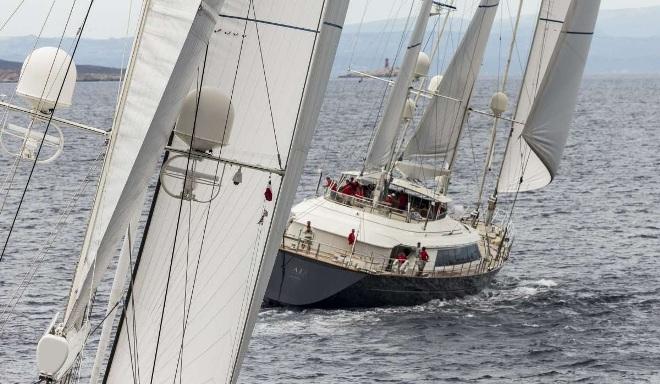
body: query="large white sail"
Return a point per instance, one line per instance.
(546, 129)
(204, 266)
(518, 154)
(166, 52)
(440, 128)
(384, 142)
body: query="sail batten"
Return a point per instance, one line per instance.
(439, 130)
(549, 95)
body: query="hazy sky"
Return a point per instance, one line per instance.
(109, 17)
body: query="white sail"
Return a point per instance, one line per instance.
(166, 53)
(548, 28)
(198, 288)
(384, 142)
(440, 128)
(547, 126)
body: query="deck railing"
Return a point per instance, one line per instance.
(376, 263)
(381, 208)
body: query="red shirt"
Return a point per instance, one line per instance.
(351, 238)
(401, 257)
(347, 190)
(423, 255)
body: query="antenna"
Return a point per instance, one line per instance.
(207, 114)
(43, 78)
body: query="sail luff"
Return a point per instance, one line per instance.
(383, 144)
(548, 124)
(439, 130)
(517, 154)
(549, 24)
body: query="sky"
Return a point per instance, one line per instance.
(110, 18)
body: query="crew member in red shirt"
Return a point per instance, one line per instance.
(423, 258)
(400, 259)
(351, 238)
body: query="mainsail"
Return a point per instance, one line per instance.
(384, 142)
(205, 262)
(548, 94)
(166, 52)
(440, 128)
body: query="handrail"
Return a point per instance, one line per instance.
(368, 205)
(384, 264)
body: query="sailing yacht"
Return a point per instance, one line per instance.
(382, 235)
(227, 94)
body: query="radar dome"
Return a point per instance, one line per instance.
(434, 83)
(408, 110)
(212, 119)
(43, 75)
(499, 103)
(423, 64)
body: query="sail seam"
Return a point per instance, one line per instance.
(295, 27)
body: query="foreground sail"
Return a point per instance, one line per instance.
(440, 128)
(205, 260)
(548, 95)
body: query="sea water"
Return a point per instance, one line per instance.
(579, 299)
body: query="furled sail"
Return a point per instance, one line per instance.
(440, 128)
(548, 28)
(383, 144)
(205, 261)
(535, 152)
(171, 39)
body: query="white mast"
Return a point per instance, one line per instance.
(383, 145)
(498, 98)
(198, 284)
(534, 152)
(440, 128)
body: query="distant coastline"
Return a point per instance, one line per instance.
(10, 72)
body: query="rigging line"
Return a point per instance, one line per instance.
(178, 220)
(185, 286)
(12, 14)
(20, 289)
(357, 35)
(120, 83)
(279, 190)
(217, 168)
(50, 119)
(263, 67)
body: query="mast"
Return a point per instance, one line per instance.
(383, 146)
(501, 99)
(440, 128)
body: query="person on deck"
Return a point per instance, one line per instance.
(308, 236)
(423, 259)
(403, 201)
(329, 183)
(347, 189)
(400, 259)
(351, 240)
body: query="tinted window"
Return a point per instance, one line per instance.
(460, 255)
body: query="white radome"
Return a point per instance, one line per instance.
(212, 120)
(43, 75)
(499, 103)
(408, 110)
(434, 83)
(423, 65)
(52, 352)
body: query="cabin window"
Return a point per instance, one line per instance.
(460, 255)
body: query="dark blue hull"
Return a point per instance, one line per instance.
(306, 282)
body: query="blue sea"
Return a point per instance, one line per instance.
(578, 301)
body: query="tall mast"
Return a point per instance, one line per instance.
(383, 146)
(498, 98)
